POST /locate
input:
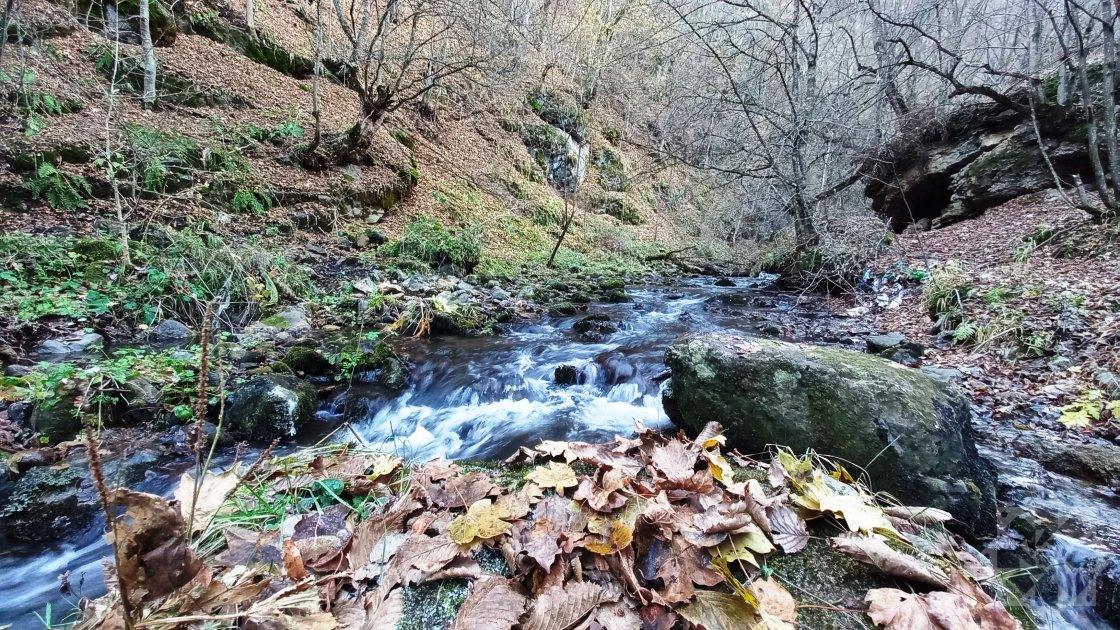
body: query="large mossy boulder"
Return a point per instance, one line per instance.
(910, 432)
(46, 504)
(271, 406)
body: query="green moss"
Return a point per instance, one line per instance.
(612, 171)
(308, 361)
(608, 284)
(617, 296)
(620, 208)
(275, 321)
(96, 249)
(511, 476)
(562, 308)
(432, 606)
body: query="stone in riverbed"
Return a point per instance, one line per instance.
(308, 361)
(271, 406)
(912, 433)
(566, 375)
(71, 345)
(169, 330)
(595, 327)
(896, 347)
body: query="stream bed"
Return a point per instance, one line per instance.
(483, 397)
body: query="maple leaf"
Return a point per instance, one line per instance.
(212, 494)
(482, 521)
(554, 475)
(675, 460)
(712, 436)
(462, 491)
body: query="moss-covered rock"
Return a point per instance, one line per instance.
(562, 308)
(308, 361)
(909, 431)
(612, 171)
(271, 406)
(46, 504)
(617, 296)
(96, 249)
(607, 284)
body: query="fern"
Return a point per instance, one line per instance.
(249, 200)
(60, 190)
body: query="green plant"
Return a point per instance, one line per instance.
(997, 295)
(430, 242)
(288, 129)
(63, 191)
(251, 200)
(948, 287)
(1089, 408)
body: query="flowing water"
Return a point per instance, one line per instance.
(483, 397)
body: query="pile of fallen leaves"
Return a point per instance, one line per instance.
(652, 532)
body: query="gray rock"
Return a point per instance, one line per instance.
(595, 327)
(46, 504)
(271, 406)
(170, 330)
(416, 284)
(911, 433)
(71, 345)
(19, 413)
(500, 294)
(896, 347)
(144, 400)
(1093, 460)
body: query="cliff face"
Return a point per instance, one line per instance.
(979, 157)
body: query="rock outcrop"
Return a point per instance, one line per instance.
(977, 158)
(911, 433)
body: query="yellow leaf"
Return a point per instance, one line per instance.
(856, 512)
(743, 546)
(383, 465)
(619, 535)
(554, 475)
(721, 470)
(482, 521)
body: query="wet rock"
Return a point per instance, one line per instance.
(288, 324)
(24, 461)
(724, 282)
(308, 361)
(608, 284)
(144, 399)
(617, 296)
(71, 345)
(45, 505)
(562, 308)
(896, 347)
(19, 413)
(393, 374)
(1108, 590)
(271, 406)
(595, 327)
(911, 432)
(1091, 460)
(58, 419)
(566, 375)
(169, 330)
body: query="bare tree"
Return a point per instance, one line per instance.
(399, 50)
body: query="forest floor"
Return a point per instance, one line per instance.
(1023, 301)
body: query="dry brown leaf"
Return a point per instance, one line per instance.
(460, 492)
(712, 610)
(153, 549)
(293, 561)
(492, 604)
(211, 496)
(919, 515)
(898, 610)
(788, 530)
(557, 608)
(893, 563)
(617, 537)
(675, 460)
(774, 601)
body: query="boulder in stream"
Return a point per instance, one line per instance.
(910, 432)
(271, 406)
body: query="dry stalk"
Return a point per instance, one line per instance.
(98, 472)
(200, 403)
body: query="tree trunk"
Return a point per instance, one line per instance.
(149, 52)
(9, 8)
(568, 218)
(316, 70)
(249, 22)
(1108, 92)
(372, 112)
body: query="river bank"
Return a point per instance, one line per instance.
(484, 396)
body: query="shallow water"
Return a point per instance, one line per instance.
(483, 397)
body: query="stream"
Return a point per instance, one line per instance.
(483, 397)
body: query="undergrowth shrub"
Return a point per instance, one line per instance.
(949, 285)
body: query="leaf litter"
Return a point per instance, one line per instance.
(656, 531)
